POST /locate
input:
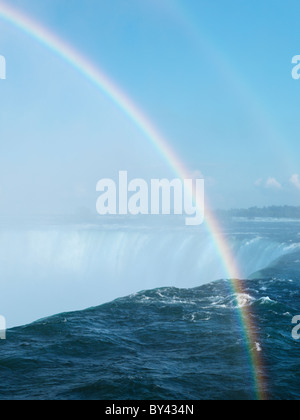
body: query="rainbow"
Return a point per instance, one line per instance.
(99, 79)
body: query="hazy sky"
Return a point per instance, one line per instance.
(213, 76)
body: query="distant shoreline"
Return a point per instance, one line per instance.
(87, 218)
(275, 212)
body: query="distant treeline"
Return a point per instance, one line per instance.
(273, 211)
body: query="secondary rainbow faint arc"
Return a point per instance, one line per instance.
(109, 88)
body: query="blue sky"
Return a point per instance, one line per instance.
(214, 77)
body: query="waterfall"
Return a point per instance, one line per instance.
(51, 269)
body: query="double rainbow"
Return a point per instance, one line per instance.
(110, 89)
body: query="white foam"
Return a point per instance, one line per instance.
(258, 347)
(266, 300)
(243, 299)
